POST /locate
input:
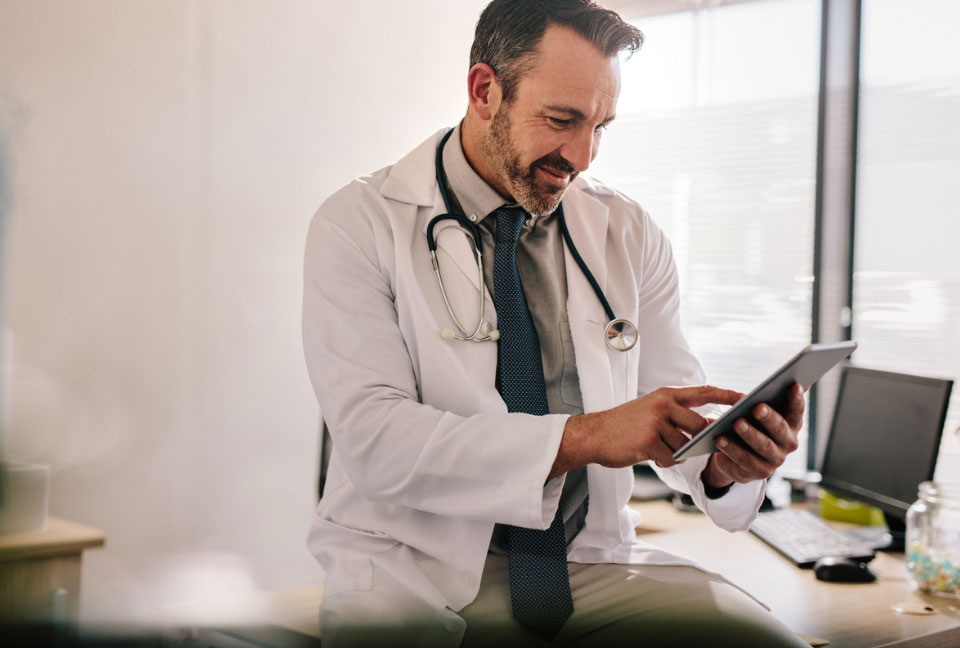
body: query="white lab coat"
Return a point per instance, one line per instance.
(424, 452)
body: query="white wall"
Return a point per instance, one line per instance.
(164, 159)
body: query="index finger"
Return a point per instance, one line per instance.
(704, 394)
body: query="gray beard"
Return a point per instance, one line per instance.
(521, 182)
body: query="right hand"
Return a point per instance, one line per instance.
(652, 427)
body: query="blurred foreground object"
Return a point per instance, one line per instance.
(24, 490)
(40, 571)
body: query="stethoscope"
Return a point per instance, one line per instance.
(620, 334)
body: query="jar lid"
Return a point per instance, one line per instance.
(939, 492)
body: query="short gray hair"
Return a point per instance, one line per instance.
(509, 32)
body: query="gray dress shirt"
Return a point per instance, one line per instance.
(543, 276)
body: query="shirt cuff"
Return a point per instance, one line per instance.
(716, 492)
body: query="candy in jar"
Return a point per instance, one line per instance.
(933, 539)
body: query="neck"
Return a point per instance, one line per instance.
(471, 139)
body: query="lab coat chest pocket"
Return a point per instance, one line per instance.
(631, 360)
(623, 368)
(607, 377)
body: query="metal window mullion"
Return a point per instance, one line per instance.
(835, 201)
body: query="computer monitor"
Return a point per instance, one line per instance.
(885, 438)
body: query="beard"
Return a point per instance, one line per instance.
(533, 194)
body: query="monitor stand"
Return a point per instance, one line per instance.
(897, 530)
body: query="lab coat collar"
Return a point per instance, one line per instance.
(413, 181)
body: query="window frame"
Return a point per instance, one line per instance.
(835, 191)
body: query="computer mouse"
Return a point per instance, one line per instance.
(838, 569)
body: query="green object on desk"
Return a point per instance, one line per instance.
(842, 510)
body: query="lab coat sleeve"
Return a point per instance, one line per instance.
(394, 448)
(666, 360)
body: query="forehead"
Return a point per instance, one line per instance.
(568, 69)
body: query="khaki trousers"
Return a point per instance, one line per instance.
(614, 605)
(631, 605)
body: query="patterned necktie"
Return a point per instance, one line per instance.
(537, 560)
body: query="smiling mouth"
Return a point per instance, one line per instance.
(556, 177)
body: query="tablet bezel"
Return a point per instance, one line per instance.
(805, 368)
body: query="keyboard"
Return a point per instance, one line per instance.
(803, 538)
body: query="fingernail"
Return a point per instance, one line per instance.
(762, 411)
(741, 426)
(722, 443)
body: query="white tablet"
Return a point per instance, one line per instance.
(805, 368)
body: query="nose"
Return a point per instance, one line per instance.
(580, 149)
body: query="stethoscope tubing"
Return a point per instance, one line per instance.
(583, 265)
(615, 336)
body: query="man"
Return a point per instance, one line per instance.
(477, 491)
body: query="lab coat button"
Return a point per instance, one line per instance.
(451, 626)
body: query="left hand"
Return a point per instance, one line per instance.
(768, 450)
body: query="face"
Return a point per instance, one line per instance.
(550, 129)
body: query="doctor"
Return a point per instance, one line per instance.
(477, 490)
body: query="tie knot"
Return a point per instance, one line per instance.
(509, 223)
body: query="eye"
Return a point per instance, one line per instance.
(600, 128)
(558, 122)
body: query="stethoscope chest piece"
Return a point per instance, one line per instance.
(621, 335)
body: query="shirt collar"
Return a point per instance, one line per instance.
(475, 196)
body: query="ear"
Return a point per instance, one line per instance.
(484, 91)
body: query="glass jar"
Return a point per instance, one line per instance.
(933, 539)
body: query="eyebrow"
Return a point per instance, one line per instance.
(576, 114)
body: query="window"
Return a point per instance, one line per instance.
(716, 136)
(906, 290)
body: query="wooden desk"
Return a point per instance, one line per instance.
(849, 615)
(40, 571)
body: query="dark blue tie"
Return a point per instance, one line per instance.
(537, 560)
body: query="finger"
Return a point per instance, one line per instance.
(749, 465)
(686, 419)
(762, 444)
(777, 427)
(704, 394)
(661, 453)
(795, 407)
(673, 437)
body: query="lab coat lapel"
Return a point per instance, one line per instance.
(586, 219)
(602, 371)
(413, 180)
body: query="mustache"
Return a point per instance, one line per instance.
(556, 162)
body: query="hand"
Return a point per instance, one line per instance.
(652, 427)
(767, 450)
